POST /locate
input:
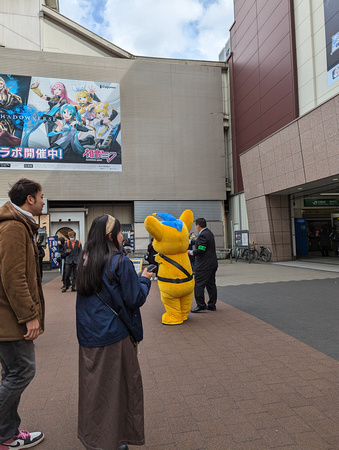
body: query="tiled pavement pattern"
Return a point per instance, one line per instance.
(223, 380)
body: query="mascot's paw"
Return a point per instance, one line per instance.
(168, 319)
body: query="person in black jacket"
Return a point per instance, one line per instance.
(72, 250)
(191, 246)
(325, 242)
(61, 258)
(151, 258)
(206, 265)
(110, 295)
(334, 236)
(41, 254)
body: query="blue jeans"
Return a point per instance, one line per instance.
(17, 359)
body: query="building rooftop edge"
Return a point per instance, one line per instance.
(75, 27)
(50, 13)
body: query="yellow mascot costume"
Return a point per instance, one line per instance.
(175, 277)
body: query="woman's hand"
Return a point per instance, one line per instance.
(147, 274)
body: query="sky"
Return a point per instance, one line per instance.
(184, 29)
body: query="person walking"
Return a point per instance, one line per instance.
(205, 267)
(334, 236)
(126, 245)
(325, 242)
(72, 250)
(61, 258)
(22, 307)
(151, 258)
(108, 320)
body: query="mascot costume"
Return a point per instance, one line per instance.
(175, 277)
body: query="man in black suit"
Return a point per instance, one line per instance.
(206, 265)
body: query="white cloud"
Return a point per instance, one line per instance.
(187, 29)
(214, 28)
(81, 12)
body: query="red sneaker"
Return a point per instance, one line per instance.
(23, 440)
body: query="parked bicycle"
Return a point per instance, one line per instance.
(264, 254)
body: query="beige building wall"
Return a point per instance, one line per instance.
(305, 151)
(172, 132)
(56, 39)
(20, 25)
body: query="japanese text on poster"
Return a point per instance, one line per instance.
(49, 123)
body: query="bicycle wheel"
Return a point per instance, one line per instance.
(265, 254)
(244, 254)
(252, 254)
(255, 254)
(237, 254)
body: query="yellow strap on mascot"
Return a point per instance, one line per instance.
(175, 277)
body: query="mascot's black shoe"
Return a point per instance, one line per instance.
(211, 308)
(199, 309)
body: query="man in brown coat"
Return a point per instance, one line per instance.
(21, 306)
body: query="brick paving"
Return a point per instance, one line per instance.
(222, 380)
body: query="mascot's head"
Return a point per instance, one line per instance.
(170, 235)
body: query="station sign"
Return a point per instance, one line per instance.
(320, 202)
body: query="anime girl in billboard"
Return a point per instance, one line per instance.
(58, 98)
(67, 131)
(101, 124)
(85, 101)
(8, 101)
(59, 94)
(105, 132)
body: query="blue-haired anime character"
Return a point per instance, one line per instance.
(58, 98)
(67, 130)
(47, 117)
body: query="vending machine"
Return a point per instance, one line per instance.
(301, 236)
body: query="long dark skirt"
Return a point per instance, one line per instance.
(111, 403)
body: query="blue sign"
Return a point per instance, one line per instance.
(53, 250)
(131, 239)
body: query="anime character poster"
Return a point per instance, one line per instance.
(52, 123)
(331, 11)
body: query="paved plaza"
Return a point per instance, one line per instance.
(259, 373)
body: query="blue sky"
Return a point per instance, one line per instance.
(187, 29)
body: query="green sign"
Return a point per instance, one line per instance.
(322, 202)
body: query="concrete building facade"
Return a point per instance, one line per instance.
(172, 122)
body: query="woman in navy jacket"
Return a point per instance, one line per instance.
(111, 410)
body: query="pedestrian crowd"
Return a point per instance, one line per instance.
(110, 294)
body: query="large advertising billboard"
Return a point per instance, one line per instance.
(331, 11)
(59, 124)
